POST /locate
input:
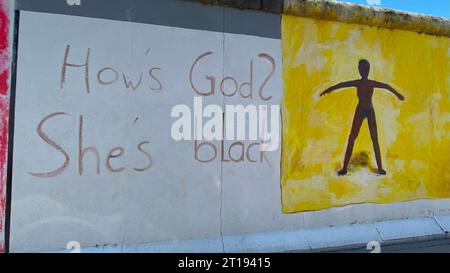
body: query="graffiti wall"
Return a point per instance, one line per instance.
(99, 156)
(178, 126)
(4, 106)
(366, 115)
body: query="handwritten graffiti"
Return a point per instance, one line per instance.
(108, 76)
(75, 70)
(114, 153)
(237, 88)
(236, 151)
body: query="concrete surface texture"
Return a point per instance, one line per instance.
(94, 160)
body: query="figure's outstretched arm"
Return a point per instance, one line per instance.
(389, 88)
(338, 86)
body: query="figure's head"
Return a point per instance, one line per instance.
(364, 68)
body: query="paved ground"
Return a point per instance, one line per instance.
(433, 246)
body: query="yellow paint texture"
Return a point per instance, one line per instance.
(414, 134)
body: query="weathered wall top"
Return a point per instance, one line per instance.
(345, 12)
(358, 14)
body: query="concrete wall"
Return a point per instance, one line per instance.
(94, 161)
(408, 125)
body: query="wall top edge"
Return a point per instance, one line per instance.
(346, 13)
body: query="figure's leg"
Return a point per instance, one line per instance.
(374, 136)
(356, 125)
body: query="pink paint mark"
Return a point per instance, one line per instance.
(4, 112)
(4, 76)
(4, 108)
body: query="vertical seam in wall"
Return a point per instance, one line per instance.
(12, 96)
(223, 139)
(439, 224)
(281, 103)
(379, 233)
(129, 15)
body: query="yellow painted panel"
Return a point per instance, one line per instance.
(414, 134)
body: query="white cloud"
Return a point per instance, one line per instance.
(373, 2)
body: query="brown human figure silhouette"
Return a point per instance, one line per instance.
(364, 109)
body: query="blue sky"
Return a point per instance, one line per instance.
(431, 7)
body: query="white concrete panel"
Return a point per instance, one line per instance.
(341, 235)
(180, 198)
(203, 245)
(417, 228)
(260, 55)
(347, 215)
(403, 210)
(273, 241)
(388, 212)
(442, 214)
(443, 221)
(441, 206)
(251, 190)
(176, 198)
